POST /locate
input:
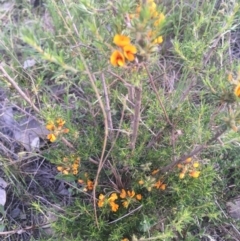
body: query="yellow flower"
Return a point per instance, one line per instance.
(65, 172)
(129, 51)
(60, 122)
(158, 40)
(152, 8)
(123, 194)
(195, 164)
(125, 204)
(141, 182)
(100, 203)
(181, 175)
(101, 197)
(50, 126)
(139, 197)
(113, 197)
(117, 59)
(131, 193)
(194, 174)
(101, 200)
(121, 40)
(237, 90)
(160, 20)
(60, 168)
(51, 137)
(74, 172)
(114, 206)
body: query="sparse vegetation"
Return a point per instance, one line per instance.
(119, 120)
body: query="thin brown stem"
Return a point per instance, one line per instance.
(102, 160)
(158, 97)
(107, 107)
(136, 116)
(18, 89)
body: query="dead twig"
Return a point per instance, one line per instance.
(19, 90)
(107, 107)
(158, 97)
(136, 116)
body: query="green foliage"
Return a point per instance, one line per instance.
(126, 122)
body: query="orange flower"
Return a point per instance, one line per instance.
(129, 51)
(117, 59)
(114, 206)
(50, 126)
(155, 171)
(89, 185)
(66, 130)
(125, 239)
(237, 90)
(188, 160)
(139, 197)
(194, 174)
(138, 9)
(131, 193)
(51, 137)
(60, 122)
(123, 194)
(180, 166)
(121, 40)
(158, 184)
(100, 203)
(163, 187)
(113, 197)
(158, 40)
(74, 172)
(101, 200)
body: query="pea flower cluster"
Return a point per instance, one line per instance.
(87, 183)
(114, 201)
(128, 197)
(153, 19)
(125, 52)
(56, 129)
(151, 182)
(189, 167)
(71, 165)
